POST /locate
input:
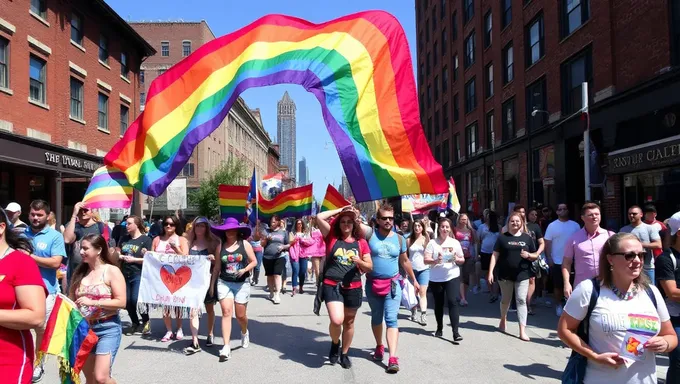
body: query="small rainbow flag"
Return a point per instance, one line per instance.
(333, 200)
(109, 188)
(69, 337)
(296, 202)
(453, 203)
(233, 201)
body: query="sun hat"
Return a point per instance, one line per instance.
(348, 212)
(231, 223)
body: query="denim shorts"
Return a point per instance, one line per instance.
(386, 307)
(237, 291)
(109, 333)
(422, 277)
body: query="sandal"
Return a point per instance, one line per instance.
(168, 336)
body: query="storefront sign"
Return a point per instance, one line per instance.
(67, 161)
(659, 154)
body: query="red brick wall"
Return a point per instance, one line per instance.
(612, 205)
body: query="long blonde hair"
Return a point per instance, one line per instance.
(211, 238)
(611, 246)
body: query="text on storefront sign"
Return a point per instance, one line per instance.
(70, 162)
(644, 158)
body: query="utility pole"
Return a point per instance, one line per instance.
(586, 140)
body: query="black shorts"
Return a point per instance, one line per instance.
(485, 258)
(351, 298)
(211, 299)
(274, 267)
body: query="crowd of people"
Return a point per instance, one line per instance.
(604, 284)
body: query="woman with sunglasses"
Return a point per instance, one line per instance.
(203, 243)
(170, 242)
(629, 322)
(22, 304)
(347, 258)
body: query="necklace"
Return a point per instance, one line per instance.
(629, 295)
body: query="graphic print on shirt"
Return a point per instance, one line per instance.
(41, 246)
(639, 329)
(386, 249)
(233, 262)
(517, 243)
(129, 249)
(344, 256)
(447, 254)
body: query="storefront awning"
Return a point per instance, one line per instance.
(655, 154)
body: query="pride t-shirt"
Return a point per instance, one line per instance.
(617, 325)
(385, 253)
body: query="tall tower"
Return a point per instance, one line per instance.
(303, 172)
(285, 132)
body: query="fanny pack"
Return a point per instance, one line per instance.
(383, 286)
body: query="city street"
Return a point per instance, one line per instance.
(290, 343)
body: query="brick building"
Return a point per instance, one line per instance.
(69, 88)
(500, 95)
(273, 163)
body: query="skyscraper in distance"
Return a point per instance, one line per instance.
(303, 172)
(285, 133)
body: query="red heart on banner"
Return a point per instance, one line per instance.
(174, 280)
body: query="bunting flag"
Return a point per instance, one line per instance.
(69, 337)
(252, 200)
(296, 202)
(452, 202)
(358, 67)
(109, 188)
(233, 201)
(333, 200)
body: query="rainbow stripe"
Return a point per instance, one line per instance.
(357, 66)
(109, 188)
(296, 202)
(333, 200)
(69, 337)
(233, 201)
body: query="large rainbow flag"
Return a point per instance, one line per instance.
(109, 188)
(358, 67)
(233, 201)
(296, 202)
(69, 337)
(333, 200)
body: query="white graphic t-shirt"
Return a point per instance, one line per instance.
(448, 269)
(620, 326)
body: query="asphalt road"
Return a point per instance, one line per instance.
(289, 344)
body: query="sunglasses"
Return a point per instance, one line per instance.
(169, 224)
(84, 210)
(630, 256)
(346, 222)
(387, 218)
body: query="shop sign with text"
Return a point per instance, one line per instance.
(659, 154)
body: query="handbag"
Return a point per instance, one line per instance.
(539, 266)
(575, 371)
(408, 294)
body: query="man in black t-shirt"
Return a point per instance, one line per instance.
(668, 279)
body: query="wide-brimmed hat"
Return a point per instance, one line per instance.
(348, 212)
(231, 223)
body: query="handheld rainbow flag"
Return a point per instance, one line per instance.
(69, 337)
(296, 202)
(357, 66)
(109, 188)
(333, 200)
(233, 201)
(452, 203)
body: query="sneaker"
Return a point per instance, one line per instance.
(245, 340)
(146, 329)
(168, 336)
(190, 350)
(334, 354)
(271, 295)
(209, 341)
(379, 352)
(277, 298)
(179, 335)
(38, 373)
(559, 310)
(457, 337)
(423, 318)
(225, 353)
(413, 314)
(438, 333)
(393, 365)
(345, 362)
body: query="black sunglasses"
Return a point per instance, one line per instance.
(169, 224)
(629, 256)
(386, 218)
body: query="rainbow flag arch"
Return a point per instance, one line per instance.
(333, 200)
(69, 337)
(358, 67)
(296, 202)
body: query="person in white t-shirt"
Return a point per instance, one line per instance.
(445, 255)
(625, 327)
(556, 236)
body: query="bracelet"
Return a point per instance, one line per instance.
(668, 345)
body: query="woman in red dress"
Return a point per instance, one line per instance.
(22, 305)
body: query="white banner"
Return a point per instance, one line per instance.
(173, 282)
(177, 194)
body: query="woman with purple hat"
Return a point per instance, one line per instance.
(235, 262)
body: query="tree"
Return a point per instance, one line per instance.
(233, 172)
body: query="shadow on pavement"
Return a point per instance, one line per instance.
(534, 371)
(293, 343)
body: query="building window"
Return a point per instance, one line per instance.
(188, 170)
(489, 81)
(470, 49)
(186, 48)
(77, 28)
(574, 72)
(437, 154)
(456, 114)
(445, 80)
(428, 62)
(574, 13)
(124, 119)
(468, 10)
(141, 76)
(142, 99)
(436, 123)
(39, 7)
(473, 185)
(76, 99)
(455, 67)
(490, 133)
(446, 154)
(445, 116)
(454, 26)
(470, 96)
(104, 49)
(488, 27)
(429, 95)
(508, 63)
(165, 48)
(37, 80)
(456, 147)
(436, 88)
(508, 119)
(536, 101)
(103, 112)
(471, 140)
(124, 69)
(442, 9)
(4, 62)
(434, 19)
(535, 41)
(161, 71)
(445, 42)
(507, 13)
(435, 50)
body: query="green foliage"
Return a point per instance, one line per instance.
(233, 172)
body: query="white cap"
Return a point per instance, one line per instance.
(13, 207)
(443, 214)
(674, 223)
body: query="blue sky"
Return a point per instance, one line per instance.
(227, 16)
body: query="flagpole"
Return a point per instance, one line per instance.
(257, 200)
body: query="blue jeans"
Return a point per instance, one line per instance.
(673, 374)
(132, 282)
(256, 272)
(650, 274)
(299, 269)
(386, 307)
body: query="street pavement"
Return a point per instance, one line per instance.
(290, 344)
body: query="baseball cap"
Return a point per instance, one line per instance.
(674, 223)
(13, 207)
